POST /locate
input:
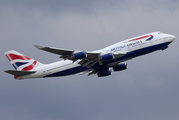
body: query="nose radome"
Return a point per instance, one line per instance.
(173, 37)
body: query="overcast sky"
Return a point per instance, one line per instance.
(147, 90)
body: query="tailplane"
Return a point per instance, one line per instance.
(23, 65)
(19, 73)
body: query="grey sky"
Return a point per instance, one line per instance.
(147, 90)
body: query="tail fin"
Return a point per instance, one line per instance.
(21, 62)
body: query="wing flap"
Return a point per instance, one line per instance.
(119, 54)
(92, 55)
(19, 73)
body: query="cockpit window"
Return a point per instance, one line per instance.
(160, 33)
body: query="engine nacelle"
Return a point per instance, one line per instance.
(119, 67)
(80, 55)
(104, 73)
(106, 57)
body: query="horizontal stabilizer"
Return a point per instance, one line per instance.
(19, 73)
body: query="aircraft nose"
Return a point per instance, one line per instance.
(172, 38)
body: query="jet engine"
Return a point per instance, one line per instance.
(119, 67)
(104, 73)
(106, 57)
(80, 55)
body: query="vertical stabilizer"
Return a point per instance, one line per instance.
(21, 62)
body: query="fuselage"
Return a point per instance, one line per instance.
(133, 47)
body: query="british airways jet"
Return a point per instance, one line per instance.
(97, 62)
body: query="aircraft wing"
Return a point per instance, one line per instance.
(88, 60)
(67, 54)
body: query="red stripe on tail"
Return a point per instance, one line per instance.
(15, 77)
(30, 67)
(14, 57)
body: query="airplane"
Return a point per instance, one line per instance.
(100, 62)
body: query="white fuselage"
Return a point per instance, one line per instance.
(133, 47)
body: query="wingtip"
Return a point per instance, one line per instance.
(38, 47)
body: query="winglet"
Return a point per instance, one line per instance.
(58, 51)
(39, 47)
